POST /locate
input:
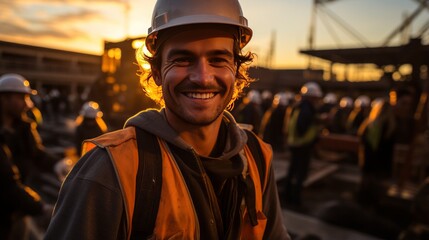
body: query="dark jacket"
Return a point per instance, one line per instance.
(27, 149)
(16, 198)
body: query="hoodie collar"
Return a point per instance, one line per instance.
(154, 121)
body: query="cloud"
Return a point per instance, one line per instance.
(35, 20)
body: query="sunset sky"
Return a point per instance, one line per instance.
(82, 25)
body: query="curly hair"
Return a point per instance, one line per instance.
(153, 91)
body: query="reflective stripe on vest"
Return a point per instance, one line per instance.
(293, 138)
(176, 215)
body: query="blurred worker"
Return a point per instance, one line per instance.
(17, 199)
(330, 101)
(303, 131)
(404, 114)
(267, 100)
(55, 103)
(328, 109)
(360, 111)
(20, 133)
(339, 119)
(273, 122)
(377, 136)
(250, 111)
(187, 170)
(89, 124)
(33, 112)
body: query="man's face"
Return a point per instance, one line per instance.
(14, 104)
(197, 76)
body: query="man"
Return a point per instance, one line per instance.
(303, 131)
(211, 184)
(20, 133)
(89, 124)
(18, 200)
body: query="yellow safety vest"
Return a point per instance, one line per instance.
(293, 139)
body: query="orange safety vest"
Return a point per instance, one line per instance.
(176, 216)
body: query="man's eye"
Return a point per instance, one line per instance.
(182, 60)
(219, 60)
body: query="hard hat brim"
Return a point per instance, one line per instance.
(244, 31)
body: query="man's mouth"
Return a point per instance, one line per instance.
(202, 96)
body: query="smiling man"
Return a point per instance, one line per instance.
(186, 171)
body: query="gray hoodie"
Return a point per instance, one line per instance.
(154, 122)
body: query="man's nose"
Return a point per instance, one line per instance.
(202, 73)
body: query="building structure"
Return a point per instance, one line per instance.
(71, 73)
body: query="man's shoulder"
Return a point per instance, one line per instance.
(114, 138)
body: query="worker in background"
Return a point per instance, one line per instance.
(404, 110)
(328, 109)
(339, 119)
(21, 136)
(17, 200)
(360, 111)
(250, 111)
(267, 100)
(377, 135)
(303, 130)
(89, 124)
(34, 113)
(273, 122)
(330, 102)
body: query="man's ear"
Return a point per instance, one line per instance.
(156, 77)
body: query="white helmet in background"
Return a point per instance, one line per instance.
(346, 102)
(378, 102)
(15, 83)
(254, 97)
(168, 14)
(266, 94)
(330, 98)
(290, 96)
(362, 101)
(91, 110)
(311, 89)
(281, 98)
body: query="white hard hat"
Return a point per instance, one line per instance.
(362, 101)
(378, 101)
(167, 14)
(290, 96)
(15, 83)
(254, 96)
(346, 102)
(330, 98)
(266, 94)
(91, 110)
(311, 89)
(281, 98)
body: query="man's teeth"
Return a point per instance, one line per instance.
(200, 95)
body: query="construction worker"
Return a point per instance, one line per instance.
(18, 200)
(273, 122)
(267, 100)
(89, 124)
(360, 111)
(303, 131)
(186, 171)
(339, 119)
(377, 134)
(249, 112)
(20, 133)
(330, 101)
